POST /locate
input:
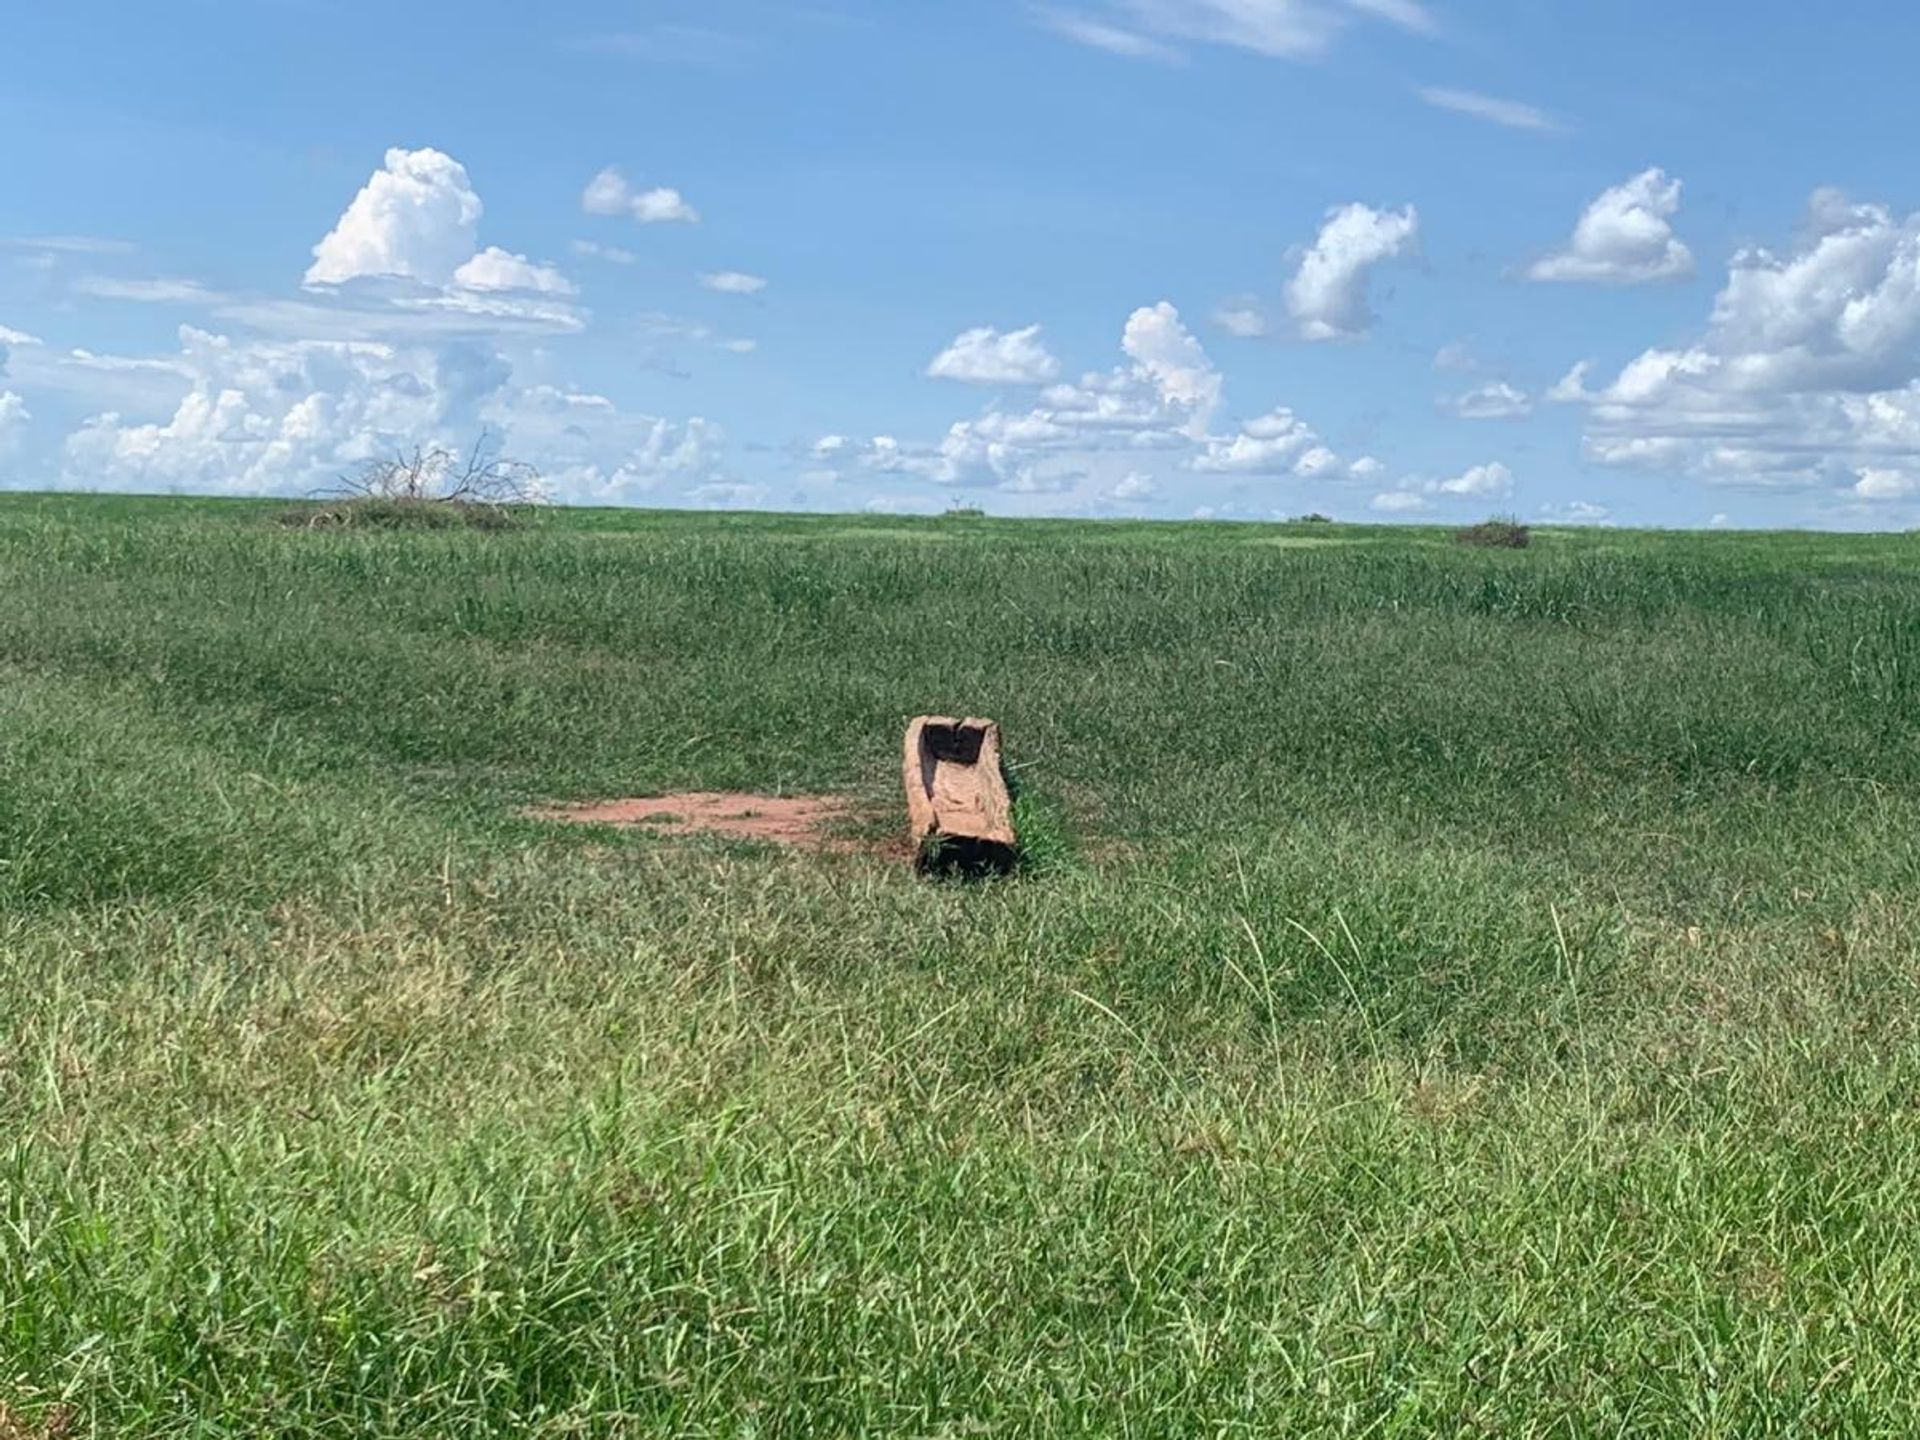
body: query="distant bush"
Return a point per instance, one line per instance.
(1313, 517)
(431, 489)
(964, 512)
(370, 513)
(1502, 532)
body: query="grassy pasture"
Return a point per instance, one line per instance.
(1466, 993)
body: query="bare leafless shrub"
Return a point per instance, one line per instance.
(431, 488)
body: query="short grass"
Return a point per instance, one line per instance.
(1459, 993)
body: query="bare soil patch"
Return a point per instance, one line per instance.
(816, 822)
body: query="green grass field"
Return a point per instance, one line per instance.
(1457, 993)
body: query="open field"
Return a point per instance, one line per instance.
(1459, 993)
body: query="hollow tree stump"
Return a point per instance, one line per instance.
(958, 808)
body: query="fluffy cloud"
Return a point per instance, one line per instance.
(1327, 296)
(1243, 316)
(1279, 443)
(653, 456)
(1806, 373)
(497, 269)
(1090, 435)
(1625, 237)
(1163, 399)
(993, 357)
(1484, 480)
(1510, 113)
(417, 218)
(289, 417)
(1165, 352)
(1882, 484)
(404, 252)
(14, 416)
(1496, 400)
(1489, 481)
(285, 418)
(609, 193)
(733, 282)
(1280, 29)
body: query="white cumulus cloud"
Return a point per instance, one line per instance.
(1164, 350)
(1883, 484)
(272, 417)
(290, 417)
(1161, 400)
(1806, 374)
(497, 269)
(1327, 296)
(1625, 237)
(1496, 400)
(14, 416)
(1483, 480)
(610, 193)
(416, 217)
(1278, 443)
(1489, 481)
(986, 356)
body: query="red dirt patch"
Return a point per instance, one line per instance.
(808, 820)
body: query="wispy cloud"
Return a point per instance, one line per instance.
(160, 291)
(71, 244)
(1278, 29)
(1111, 38)
(594, 250)
(733, 282)
(1511, 113)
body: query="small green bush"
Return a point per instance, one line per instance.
(1501, 532)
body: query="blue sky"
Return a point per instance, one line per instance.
(1408, 259)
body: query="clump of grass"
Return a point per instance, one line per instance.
(1500, 532)
(1046, 846)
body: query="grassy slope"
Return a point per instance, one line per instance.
(1477, 995)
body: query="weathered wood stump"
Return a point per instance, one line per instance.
(957, 803)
